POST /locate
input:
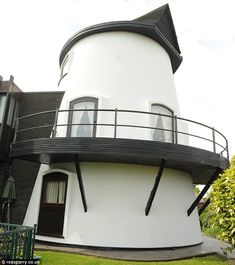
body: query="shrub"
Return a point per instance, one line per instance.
(220, 215)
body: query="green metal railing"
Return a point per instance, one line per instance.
(16, 242)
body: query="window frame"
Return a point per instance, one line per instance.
(172, 115)
(65, 61)
(52, 207)
(70, 116)
(53, 176)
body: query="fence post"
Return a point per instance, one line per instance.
(12, 244)
(115, 124)
(29, 243)
(176, 129)
(16, 244)
(55, 123)
(33, 241)
(213, 137)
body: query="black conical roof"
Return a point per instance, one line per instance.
(152, 17)
(162, 19)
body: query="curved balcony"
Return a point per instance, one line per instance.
(122, 136)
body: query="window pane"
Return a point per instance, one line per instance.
(55, 192)
(61, 192)
(51, 192)
(85, 117)
(162, 122)
(2, 106)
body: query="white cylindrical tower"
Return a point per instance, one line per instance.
(122, 70)
(118, 83)
(125, 70)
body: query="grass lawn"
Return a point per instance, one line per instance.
(58, 258)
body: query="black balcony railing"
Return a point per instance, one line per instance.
(16, 242)
(179, 130)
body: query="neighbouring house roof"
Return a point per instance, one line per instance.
(157, 25)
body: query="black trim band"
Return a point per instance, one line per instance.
(109, 248)
(197, 162)
(129, 26)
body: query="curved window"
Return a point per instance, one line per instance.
(65, 66)
(83, 117)
(163, 123)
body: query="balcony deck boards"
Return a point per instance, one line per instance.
(198, 162)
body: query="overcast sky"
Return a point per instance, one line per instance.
(33, 33)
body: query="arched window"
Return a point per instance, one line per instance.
(162, 123)
(83, 121)
(65, 65)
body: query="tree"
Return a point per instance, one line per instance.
(222, 207)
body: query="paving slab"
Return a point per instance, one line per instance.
(208, 247)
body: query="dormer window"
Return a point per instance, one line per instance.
(83, 121)
(2, 106)
(162, 123)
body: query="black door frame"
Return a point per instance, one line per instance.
(57, 176)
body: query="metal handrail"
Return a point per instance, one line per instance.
(16, 241)
(115, 124)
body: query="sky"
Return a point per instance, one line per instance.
(33, 33)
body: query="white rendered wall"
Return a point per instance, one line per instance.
(125, 71)
(116, 198)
